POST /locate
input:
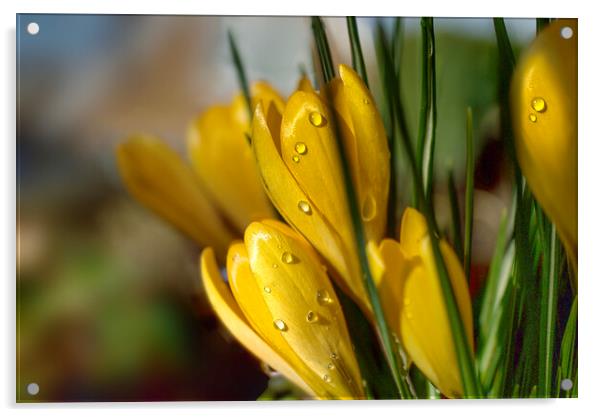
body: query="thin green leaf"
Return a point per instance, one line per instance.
(240, 72)
(456, 222)
(428, 113)
(469, 202)
(323, 48)
(356, 49)
(568, 354)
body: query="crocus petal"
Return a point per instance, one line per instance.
(289, 198)
(304, 309)
(413, 230)
(425, 329)
(223, 159)
(305, 85)
(544, 113)
(373, 169)
(158, 178)
(250, 300)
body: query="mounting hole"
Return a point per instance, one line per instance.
(33, 389)
(566, 384)
(566, 32)
(33, 28)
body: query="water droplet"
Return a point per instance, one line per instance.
(288, 258)
(330, 365)
(532, 117)
(296, 158)
(304, 207)
(539, 104)
(267, 289)
(334, 356)
(368, 208)
(317, 119)
(301, 148)
(323, 297)
(327, 378)
(366, 101)
(311, 317)
(274, 266)
(280, 325)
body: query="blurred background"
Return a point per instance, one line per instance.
(109, 304)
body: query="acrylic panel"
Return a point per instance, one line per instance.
(295, 208)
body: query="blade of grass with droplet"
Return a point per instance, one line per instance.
(456, 222)
(469, 201)
(240, 72)
(357, 57)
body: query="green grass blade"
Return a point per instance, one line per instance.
(428, 113)
(541, 23)
(356, 49)
(568, 353)
(240, 72)
(456, 222)
(323, 48)
(469, 202)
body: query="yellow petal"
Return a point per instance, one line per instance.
(373, 167)
(158, 178)
(261, 92)
(305, 312)
(231, 316)
(425, 329)
(223, 159)
(413, 231)
(544, 112)
(305, 85)
(289, 198)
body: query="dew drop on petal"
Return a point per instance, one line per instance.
(323, 297)
(366, 101)
(539, 104)
(274, 266)
(334, 356)
(300, 148)
(330, 366)
(327, 378)
(267, 289)
(296, 159)
(304, 207)
(368, 208)
(280, 325)
(288, 258)
(311, 317)
(317, 119)
(532, 117)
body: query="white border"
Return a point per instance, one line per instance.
(590, 210)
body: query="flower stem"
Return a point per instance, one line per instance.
(469, 202)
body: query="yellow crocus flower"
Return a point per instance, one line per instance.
(544, 113)
(282, 307)
(216, 198)
(299, 161)
(408, 284)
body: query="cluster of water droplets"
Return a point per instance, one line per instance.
(539, 105)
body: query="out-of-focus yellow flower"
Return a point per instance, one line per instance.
(544, 113)
(299, 161)
(408, 284)
(223, 189)
(282, 307)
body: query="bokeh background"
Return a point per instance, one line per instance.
(109, 304)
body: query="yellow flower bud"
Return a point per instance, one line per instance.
(409, 287)
(543, 101)
(223, 182)
(283, 308)
(300, 165)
